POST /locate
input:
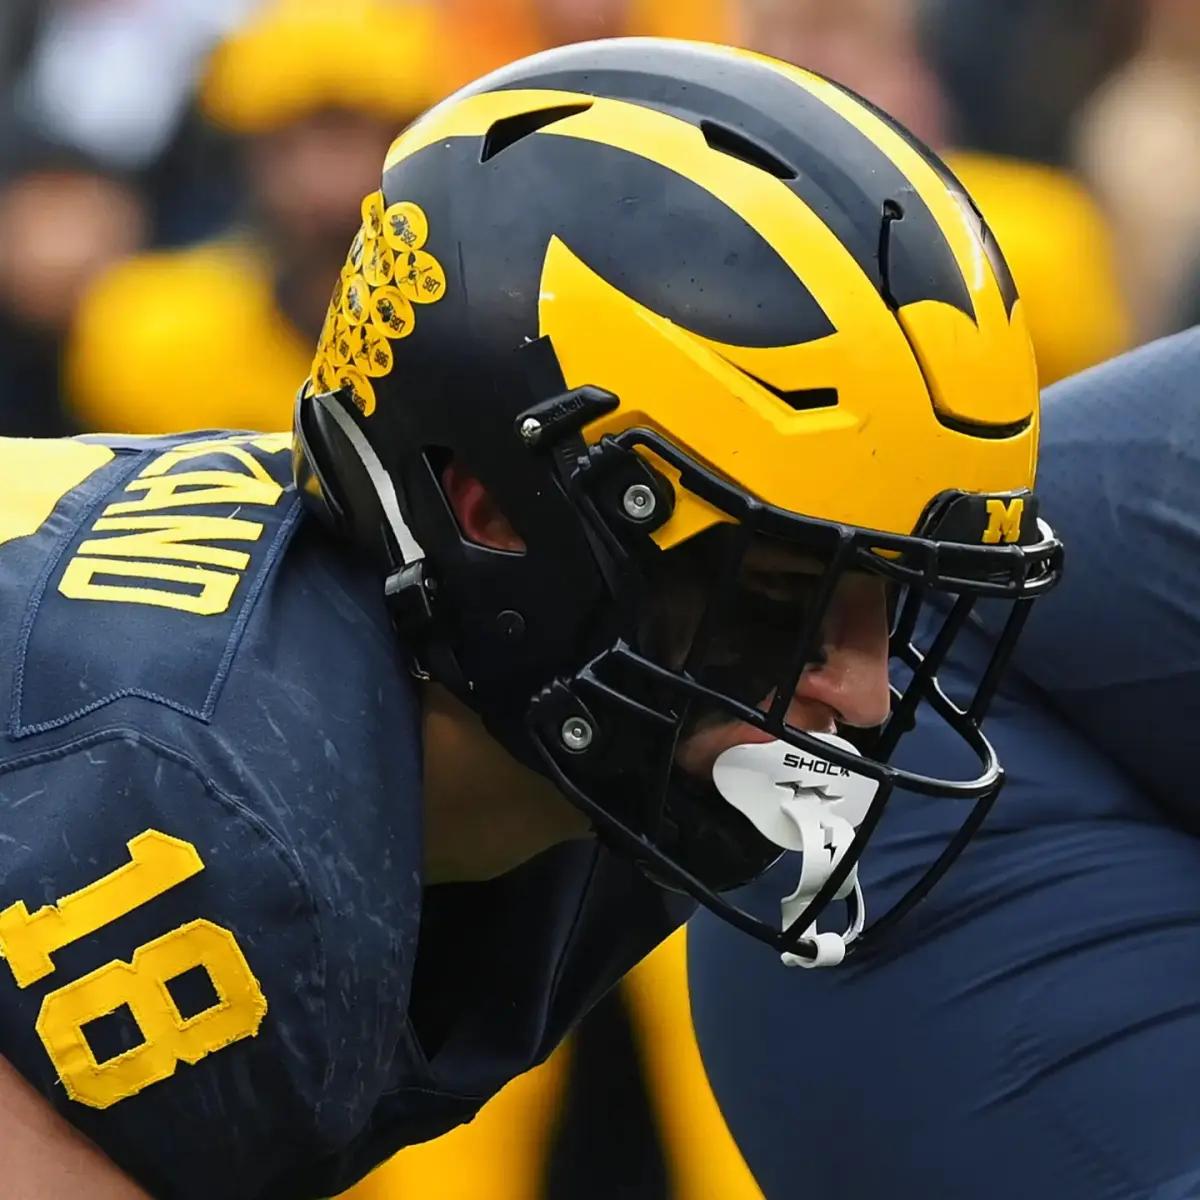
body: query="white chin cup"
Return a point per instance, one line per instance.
(806, 804)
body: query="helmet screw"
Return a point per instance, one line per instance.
(510, 625)
(639, 502)
(530, 430)
(576, 734)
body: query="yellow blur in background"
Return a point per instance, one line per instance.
(298, 56)
(490, 33)
(194, 338)
(185, 339)
(1060, 250)
(501, 1154)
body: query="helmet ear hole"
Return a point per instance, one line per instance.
(479, 518)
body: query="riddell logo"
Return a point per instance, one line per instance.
(818, 766)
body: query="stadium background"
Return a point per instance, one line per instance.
(179, 180)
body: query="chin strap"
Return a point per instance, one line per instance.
(811, 806)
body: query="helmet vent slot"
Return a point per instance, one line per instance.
(892, 212)
(509, 130)
(798, 399)
(730, 141)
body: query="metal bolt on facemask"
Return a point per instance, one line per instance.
(577, 734)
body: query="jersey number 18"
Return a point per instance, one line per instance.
(157, 863)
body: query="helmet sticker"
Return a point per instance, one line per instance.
(422, 279)
(323, 375)
(358, 386)
(355, 257)
(379, 263)
(341, 343)
(391, 313)
(405, 227)
(371, 355)
(355, 297)
(386, 273)
(372, 215)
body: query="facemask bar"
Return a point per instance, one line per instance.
(1019, 573)
(589, 684)
(965, 572)
(591, 687)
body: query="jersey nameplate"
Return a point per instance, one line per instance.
(151, 594)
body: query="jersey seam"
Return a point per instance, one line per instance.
(17, 730)
(274, 553)
(121, 476)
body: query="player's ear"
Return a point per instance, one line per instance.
(477, 514)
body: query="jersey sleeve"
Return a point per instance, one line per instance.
(162, 976)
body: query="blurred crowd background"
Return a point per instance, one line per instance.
(179, 178)
(179, 181)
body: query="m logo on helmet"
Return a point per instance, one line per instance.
(1004, 521)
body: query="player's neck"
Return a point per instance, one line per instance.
(484, 812)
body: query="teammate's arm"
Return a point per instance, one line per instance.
(42, 1157)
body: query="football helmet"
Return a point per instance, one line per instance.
(671, 303)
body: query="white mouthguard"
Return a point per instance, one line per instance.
(803, 803)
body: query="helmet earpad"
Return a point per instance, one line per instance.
(361, 506)
(312, 479)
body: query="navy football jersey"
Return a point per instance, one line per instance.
(211, 901)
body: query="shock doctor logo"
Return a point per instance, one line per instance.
(386, 274)
(818, 766)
